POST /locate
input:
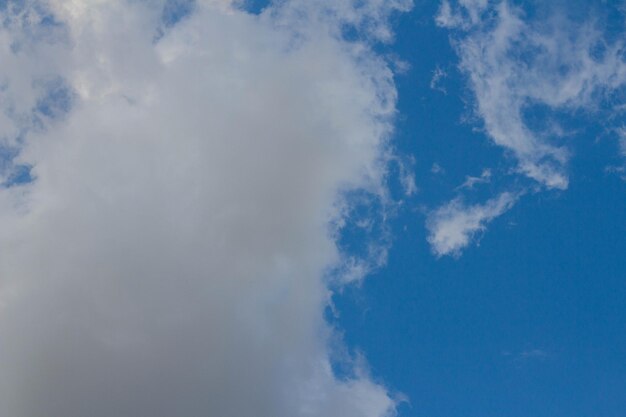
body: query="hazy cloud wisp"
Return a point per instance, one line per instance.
(452, 226)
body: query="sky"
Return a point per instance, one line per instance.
(312, 208)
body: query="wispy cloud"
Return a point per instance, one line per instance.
(407, 177)
(453, 226)
(621, 137)
(534, 354)
(435, 82)
(437, 169)
(463, 15)
(470, 182)
(514, 64)
(528, 355)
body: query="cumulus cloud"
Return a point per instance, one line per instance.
(454, 225)
(514, 64)
(170, 256)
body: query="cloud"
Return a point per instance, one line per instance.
(621, 133)
(407, 176)
(619, 169)
(453, 226)
(437, 169)
(534, 354)
(470, 182)
(369, 17)
(170, 255)
(514, 65)
(435, 82)
(528, 355)
(464, 15)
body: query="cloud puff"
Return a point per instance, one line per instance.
(170, 255)
(514, 64)
(453, 226)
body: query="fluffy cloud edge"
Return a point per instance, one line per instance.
(227, 238)
(453, 226)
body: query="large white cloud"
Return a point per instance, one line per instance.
(170, 256)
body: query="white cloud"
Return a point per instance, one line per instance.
(538, 354)
(465, 14)
(407, 177)
(621, 137)
(527, 355)
(408, 184)
(437, 169)
(470, 182)
(435, 82)
(619, 170)
(446, 17)
(170, 257)
(514, 64)
(453, 226)
(370, 17)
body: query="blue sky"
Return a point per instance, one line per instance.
(313, 208)
(529, 321)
